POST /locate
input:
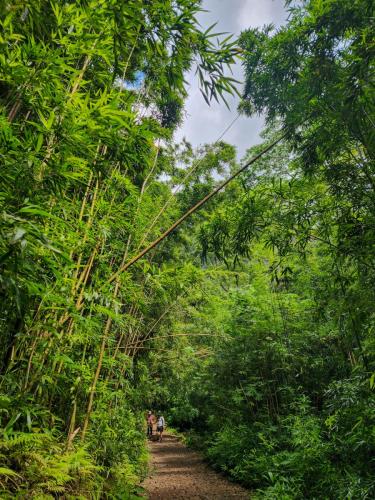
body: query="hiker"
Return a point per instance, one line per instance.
(160, 424)
(150, 423)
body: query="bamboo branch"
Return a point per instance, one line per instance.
(193, 209)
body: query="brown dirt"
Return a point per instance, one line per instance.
(177, 472)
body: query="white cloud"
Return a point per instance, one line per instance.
(253, 13)
(206, 123)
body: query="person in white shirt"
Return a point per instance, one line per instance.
(160, 424)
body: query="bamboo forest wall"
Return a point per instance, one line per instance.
(252, 326)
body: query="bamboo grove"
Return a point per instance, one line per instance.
(252, 325)
(88, 93)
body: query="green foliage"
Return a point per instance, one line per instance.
(37, 464)
(283, 399)
(88, 93)
(252, 326)
(276, 405)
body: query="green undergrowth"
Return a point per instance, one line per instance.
(39, 464)
(193, 440)
(297, 456)
(172, 431)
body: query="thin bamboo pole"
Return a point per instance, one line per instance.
(108, 324)
(173, 335)
(193, 209)
(160, 318)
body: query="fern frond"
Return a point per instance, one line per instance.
(5, 471)
(24, 438)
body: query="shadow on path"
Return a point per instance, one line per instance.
(176, 472)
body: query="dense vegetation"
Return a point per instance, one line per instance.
(252, 326)
(89, 92)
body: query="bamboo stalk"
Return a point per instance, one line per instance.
(106, 333)
(109, 324)
(178, 335)
(77, 281)
(193, 209)
(156, 323)
(86, 62)
(96, 378)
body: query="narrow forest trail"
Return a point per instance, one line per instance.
(180, 473)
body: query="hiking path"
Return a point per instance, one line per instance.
(177, 472)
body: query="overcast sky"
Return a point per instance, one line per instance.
(205, 123)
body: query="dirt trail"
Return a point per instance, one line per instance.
(178, 472)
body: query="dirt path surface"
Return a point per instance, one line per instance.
(178, 472)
